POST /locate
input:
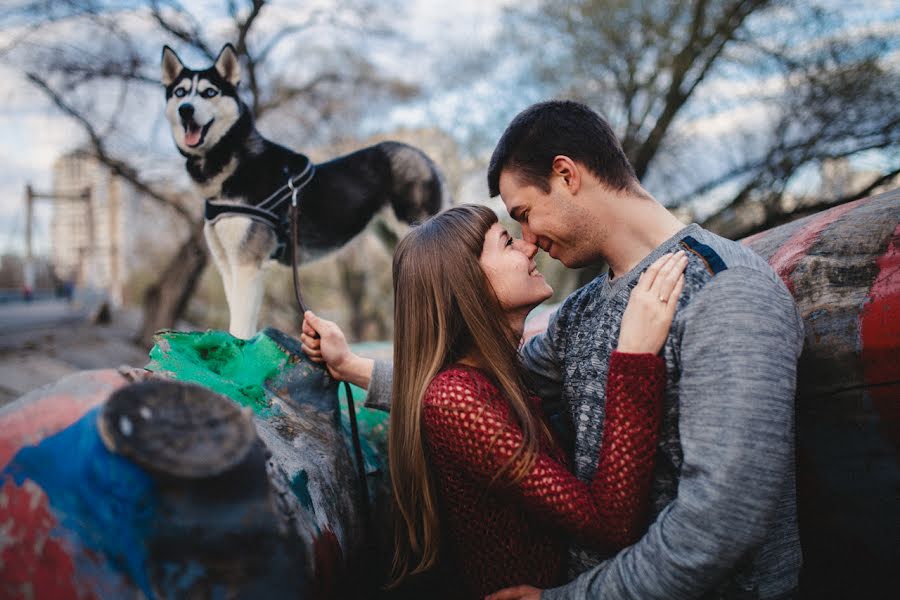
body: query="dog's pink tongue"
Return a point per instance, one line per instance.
(192, 136)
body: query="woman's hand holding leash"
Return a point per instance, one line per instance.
(651, 307)
(324, 342)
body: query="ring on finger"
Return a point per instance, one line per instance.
(663, 300)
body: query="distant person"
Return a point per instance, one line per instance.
(483, 494)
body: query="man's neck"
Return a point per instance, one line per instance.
(641, 225)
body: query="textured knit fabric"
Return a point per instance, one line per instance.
(499, 532)
(723, 493)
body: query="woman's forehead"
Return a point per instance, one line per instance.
(496, 230)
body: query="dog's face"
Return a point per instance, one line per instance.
(201, 105)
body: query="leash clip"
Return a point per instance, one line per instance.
(294, 191)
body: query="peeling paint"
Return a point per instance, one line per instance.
(301, 491)
(228, 365)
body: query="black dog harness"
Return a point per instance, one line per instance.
(268, 212)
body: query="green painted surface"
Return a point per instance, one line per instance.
(239, 369)
(372, 424)
(233, 367)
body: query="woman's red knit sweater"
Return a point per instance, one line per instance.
(496, 532)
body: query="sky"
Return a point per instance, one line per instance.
(33, 134)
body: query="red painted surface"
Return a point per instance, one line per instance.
(33, 562)
(752, 238)
(54, 409)
(879, 326)
(328, 558)
(789, 255)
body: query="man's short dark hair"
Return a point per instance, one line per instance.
(560, 127)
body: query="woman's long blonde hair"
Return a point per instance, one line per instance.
(444, 309)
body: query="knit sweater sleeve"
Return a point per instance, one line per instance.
(467, 423)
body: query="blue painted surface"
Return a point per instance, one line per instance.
(300, 487)
(103, 502)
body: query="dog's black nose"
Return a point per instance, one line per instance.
(186, 111)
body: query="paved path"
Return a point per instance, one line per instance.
(24, 316)
(45, 340)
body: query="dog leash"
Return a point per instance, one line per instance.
(351, 406)
(265, 212)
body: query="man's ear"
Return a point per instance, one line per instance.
(568, 171)
(227, 65)
(171, 66)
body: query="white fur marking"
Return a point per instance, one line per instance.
(210, 188)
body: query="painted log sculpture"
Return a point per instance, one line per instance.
(242, 488)
(96, 501)
(843, 268)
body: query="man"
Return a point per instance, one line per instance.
(723, 500)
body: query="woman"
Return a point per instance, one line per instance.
(478, 480)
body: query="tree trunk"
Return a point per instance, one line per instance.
(353, 282)
(166, 300)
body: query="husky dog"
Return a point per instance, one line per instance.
(229, 161)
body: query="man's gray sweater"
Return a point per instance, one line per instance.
(723, 499)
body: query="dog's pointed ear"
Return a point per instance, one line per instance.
(171, 66)
(227, 65)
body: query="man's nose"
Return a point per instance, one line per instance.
(528, 236)
(527, 248)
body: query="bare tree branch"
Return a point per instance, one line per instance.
(776, 215)
(699, 47)
(192, 37)
(285, 32)
(116, 166)
(758, 166)
(872, 186)
(245, 25)
(243, 29)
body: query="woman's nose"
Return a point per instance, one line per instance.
(526, 248)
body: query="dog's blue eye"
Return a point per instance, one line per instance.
(180, 92)
(208, 93)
